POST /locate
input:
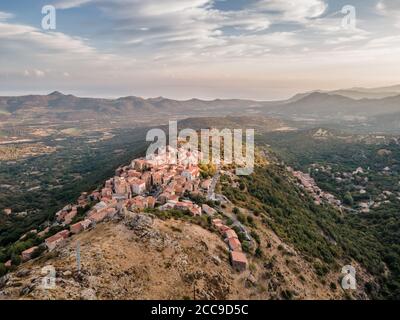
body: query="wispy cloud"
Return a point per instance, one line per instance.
(68, 4)
(296, 11)
(193, 25)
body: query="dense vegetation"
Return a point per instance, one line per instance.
(76, 167)
(372, 239)
(319, 232)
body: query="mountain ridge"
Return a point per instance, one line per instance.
(318, 106)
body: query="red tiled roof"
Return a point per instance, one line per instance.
(234, 244)
(230, 234)
(222, 228)
(62, 234)
(29, 251)
(238, 257)
(217, 221)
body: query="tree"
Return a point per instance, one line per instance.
(3, 269)
(245, 246)
(15, 260)
(348, 199)
(250, 221)
(242, 218)
(255, 236)
(3, 257)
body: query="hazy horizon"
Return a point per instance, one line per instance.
(105, 96)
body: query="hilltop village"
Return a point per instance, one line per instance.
(306, 182)
(164, 181)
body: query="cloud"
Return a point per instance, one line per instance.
(245, 20)
(155, 45)
(176, 29)
(34, 73)
(5, 16)
(39, 73)
(33, 53)
(391, 9)
(37, 40)
(384, 42)
(350, 39)
(191, 29)
(68, 4)
(295, 11)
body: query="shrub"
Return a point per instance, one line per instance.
(348, 199)
(258, 253)
(15, 260)
(250, 221)
(255, 236)
(3, 257)
(3, 269)
(246, 246)
(287, 294)
(242, 218)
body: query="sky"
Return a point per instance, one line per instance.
(182, 49)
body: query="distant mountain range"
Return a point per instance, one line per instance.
(328, 106)
(360, 93)
(356, 104)
(68, 107)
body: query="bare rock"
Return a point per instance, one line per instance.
(216, 260)
(4, 280)
(26, 290)
(67, 273)
(140, 222)
(88, 294)
(23, 273)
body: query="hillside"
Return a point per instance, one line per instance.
(295, 250)
(182, 261)
(319, 233)
(180, 257)
(114, 266)
(369, 198)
